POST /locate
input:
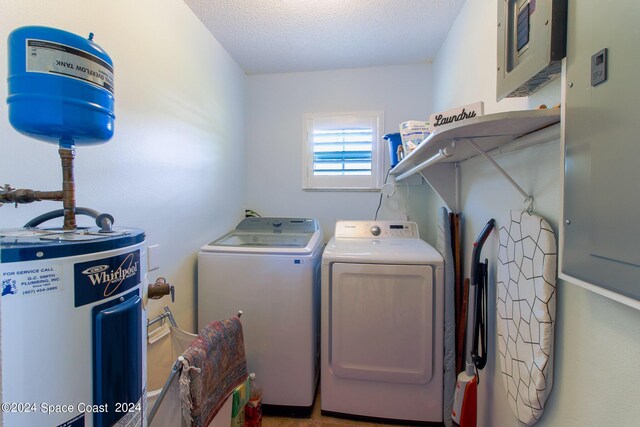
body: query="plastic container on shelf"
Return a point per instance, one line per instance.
(240, 398)
(253, 409)
(395, 141)
(413, 132)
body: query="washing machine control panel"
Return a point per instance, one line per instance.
(377, 229)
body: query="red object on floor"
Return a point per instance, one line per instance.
(465, 402)
(253, 408)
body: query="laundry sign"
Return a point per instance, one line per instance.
(456, 115)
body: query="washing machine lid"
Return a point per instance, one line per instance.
(270, 235)
(278, 225)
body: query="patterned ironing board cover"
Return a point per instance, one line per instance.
(526, 305)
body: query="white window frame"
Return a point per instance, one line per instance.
(373, 182)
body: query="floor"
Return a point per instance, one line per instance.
(318, 420)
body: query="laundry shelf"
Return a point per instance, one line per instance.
(436, 156)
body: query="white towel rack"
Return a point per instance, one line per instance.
(175, 370)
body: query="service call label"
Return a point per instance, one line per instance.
(101, 278)
(55, 58)
(32, 279)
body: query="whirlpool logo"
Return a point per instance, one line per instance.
(113, 279)
(96, 269)
(98, 279)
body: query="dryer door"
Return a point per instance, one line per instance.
(381, 322)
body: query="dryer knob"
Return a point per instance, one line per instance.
(375, 230)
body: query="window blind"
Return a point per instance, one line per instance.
(345, 151)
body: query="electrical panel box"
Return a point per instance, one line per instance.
(601, 221)
(531, 45)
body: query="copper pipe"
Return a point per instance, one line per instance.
(67, 195)
(23, 195)
(68, 188)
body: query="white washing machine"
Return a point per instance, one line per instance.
(382, 323)
(270, 269)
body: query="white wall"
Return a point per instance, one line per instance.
(275, 106)
(175, 166)
(597, 340)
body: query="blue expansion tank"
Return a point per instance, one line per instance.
(60, 87)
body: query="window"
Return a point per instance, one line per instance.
(342, 151)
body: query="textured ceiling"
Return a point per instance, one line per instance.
(275, 36)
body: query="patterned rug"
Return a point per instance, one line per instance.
(213, 366)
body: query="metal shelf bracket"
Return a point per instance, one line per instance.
(527, 197)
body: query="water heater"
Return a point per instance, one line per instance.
(73, 322)
(531, 45)
(73, 327)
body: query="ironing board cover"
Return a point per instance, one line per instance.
(449, 360)
(526, 305)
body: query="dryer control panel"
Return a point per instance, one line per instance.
(377, 229)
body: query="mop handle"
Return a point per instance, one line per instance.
(473, 296)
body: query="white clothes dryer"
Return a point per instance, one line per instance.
(382, 323)
(270, 269)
